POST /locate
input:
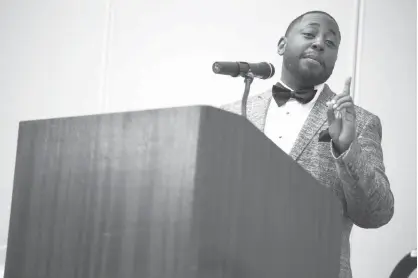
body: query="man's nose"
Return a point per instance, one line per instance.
(318, 44)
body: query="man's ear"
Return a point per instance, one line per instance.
(281, 46)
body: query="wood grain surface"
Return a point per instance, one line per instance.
(189, 192)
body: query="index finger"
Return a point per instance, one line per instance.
(347, 86)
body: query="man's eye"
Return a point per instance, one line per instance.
(308, 35)
(330, 43)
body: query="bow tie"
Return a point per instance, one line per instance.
(281, 94)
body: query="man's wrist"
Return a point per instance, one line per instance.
(339, 149)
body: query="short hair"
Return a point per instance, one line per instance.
(299, 19)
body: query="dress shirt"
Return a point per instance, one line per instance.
(284, 123)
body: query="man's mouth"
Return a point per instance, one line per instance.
(312, 59)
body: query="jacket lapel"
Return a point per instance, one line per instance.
(317, 117)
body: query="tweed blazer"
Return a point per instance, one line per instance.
(357, 177)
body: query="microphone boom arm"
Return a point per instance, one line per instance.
(248, 79)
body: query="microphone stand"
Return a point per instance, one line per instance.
(248, 79)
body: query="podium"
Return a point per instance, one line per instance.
(187, 192)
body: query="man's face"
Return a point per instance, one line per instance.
(311, 49)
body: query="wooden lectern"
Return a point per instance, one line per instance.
(189, 192)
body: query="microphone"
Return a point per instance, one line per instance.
(261, 70)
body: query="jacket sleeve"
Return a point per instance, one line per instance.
(370, 202)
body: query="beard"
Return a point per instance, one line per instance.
(308, 73)
(312, 77)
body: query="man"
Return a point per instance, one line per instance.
(337, 142)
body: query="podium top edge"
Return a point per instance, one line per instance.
(150, 110)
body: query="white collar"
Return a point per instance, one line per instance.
(318, 87)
